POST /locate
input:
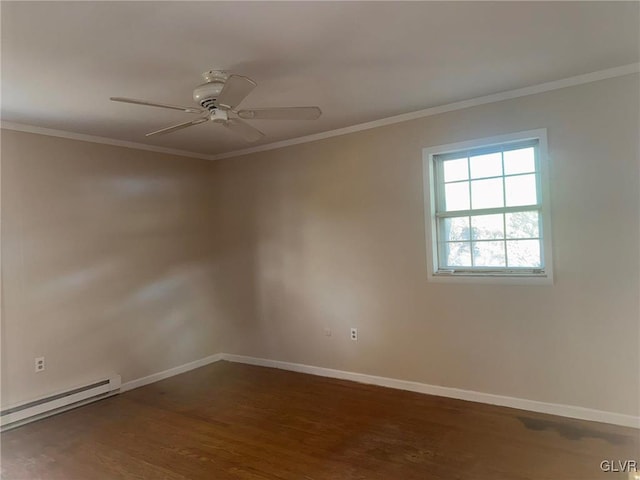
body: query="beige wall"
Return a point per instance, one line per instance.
(330, 234)
(134, 262)
(106, 261)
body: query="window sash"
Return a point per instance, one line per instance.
(472, 152)
(488, 211)
(441, 213)
(442, 264)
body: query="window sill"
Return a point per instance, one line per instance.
(492, 278)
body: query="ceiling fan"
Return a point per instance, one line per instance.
(219, 97)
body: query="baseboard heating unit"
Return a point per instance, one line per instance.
(43, 407)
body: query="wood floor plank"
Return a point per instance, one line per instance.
(241, 422)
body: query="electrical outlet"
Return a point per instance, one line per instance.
(354, 334)
(39, 364)
(327, 332)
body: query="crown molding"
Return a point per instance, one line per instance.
(19, 127)
(473, 102)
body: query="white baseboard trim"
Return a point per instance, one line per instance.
(570, 411)
(155, 377)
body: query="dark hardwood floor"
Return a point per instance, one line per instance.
(233, 421)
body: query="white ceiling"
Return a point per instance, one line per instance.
(359, 61)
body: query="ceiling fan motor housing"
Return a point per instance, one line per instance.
(206, 94)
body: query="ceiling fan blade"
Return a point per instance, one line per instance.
(243, 129)
(180, 126)
(281, 113)
(153, 104)
(235, 89)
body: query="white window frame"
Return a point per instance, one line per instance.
(429, 154)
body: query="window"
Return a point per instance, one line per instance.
(487, 212)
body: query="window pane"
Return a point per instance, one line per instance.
(455, 170)
(487, 227)
(486, 165)
(522, 225)
(457, 254)
(456, 229)
(520, 190)
(519, 161)
(487, 193)
(488, 254)
(456, 196)
(523, 253)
